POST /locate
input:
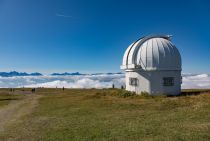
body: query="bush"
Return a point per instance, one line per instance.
(124, 93)
(146, 94)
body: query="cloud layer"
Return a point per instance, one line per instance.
(80, 81)
(196, 81)
(92, 81)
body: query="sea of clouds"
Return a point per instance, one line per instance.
(92, 81)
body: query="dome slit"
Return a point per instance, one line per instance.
(129, 52)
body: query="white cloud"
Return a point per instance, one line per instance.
(83, 81)
(62, 15)
(92, 81)
(196, 81)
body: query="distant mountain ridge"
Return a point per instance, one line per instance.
(15, 73)
(67, 73)
(78, 73)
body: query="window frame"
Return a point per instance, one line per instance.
(168, 81)
(133, 81)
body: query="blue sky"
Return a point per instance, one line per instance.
(92, 35)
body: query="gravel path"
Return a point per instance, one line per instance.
(17, 109)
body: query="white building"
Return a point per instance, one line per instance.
(153, 64)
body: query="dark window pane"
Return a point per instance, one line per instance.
(133, 81)
(168, 81)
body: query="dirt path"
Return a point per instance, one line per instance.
(17, 109)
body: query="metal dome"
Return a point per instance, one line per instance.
(154, 52)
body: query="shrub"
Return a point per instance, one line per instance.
(146, 94)
(124, 93)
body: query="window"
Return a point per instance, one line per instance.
(133, 81)
(168, 81)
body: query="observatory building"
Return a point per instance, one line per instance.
(153, 64)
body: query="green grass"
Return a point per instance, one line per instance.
(108, 115)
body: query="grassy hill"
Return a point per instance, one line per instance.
(102, 115)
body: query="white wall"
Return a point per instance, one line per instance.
(152, 82)
(144, 84)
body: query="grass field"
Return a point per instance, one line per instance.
(102, 115)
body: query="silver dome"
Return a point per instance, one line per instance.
(155, 52)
